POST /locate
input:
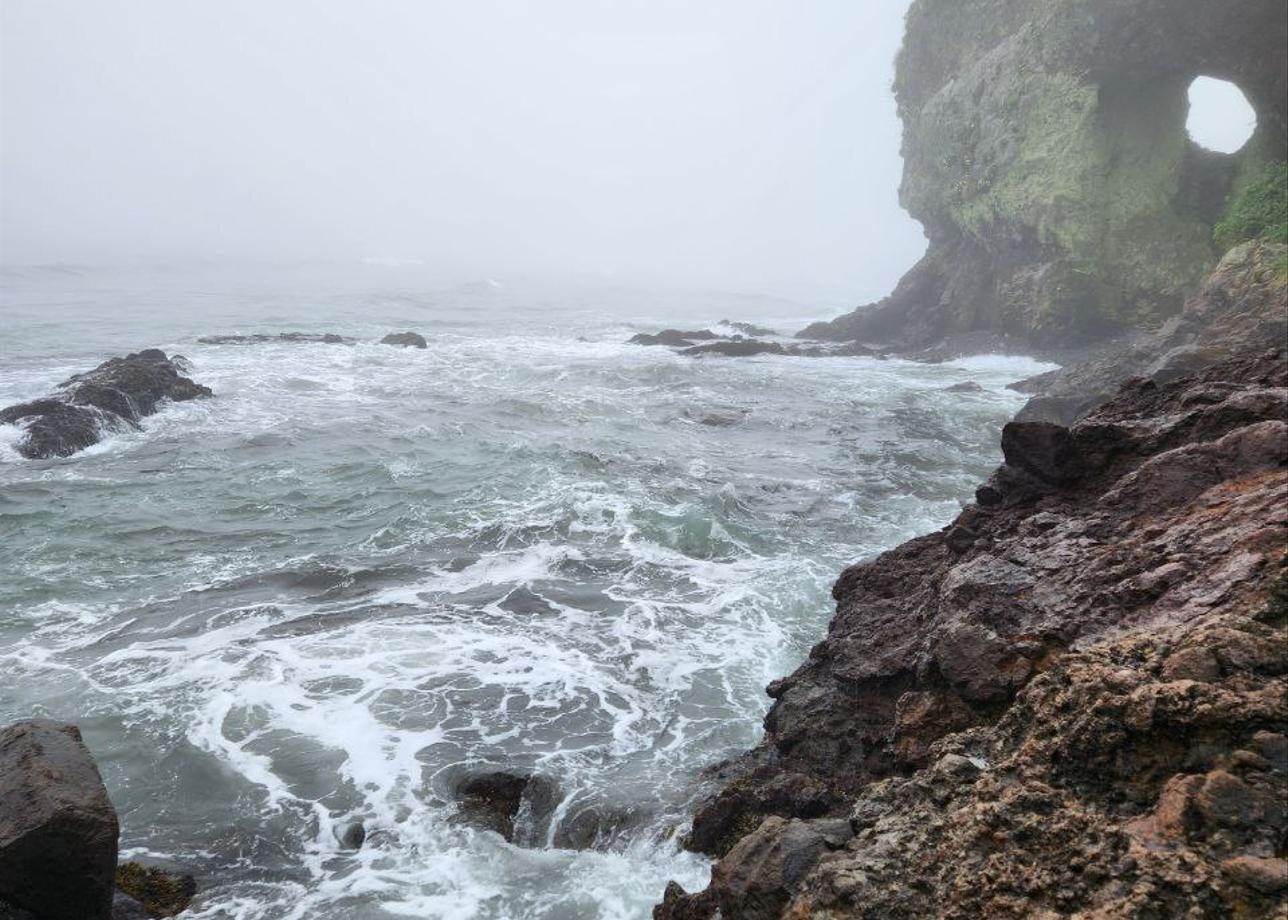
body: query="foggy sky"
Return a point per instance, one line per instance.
(734, 142)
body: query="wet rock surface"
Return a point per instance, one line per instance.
(1072, 701)
(516, 806)
(115, 395)
(405, 339)
(58, 829)
(287, 338)
(747, 341)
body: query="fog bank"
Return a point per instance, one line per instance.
(746, 143)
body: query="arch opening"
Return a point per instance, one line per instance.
(1221, 118)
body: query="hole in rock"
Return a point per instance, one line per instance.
(1221, 117)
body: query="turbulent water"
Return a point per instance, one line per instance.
(362, 573)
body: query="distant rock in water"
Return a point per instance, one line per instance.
(743, 348)
(113, 396)
(58, 829)
(966, 386)
(673, 338)
(747, 328)
(405, 339)
(513, 805)
(290, 338)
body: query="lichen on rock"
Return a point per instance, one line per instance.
(1046, 155)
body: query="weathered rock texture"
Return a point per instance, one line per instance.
(1071, 702)
(115, 395)
(1046, 155)
(58, 829)
(1242, 307)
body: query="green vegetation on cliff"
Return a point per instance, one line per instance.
(1258, 212)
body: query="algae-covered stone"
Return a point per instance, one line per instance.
(162, 893)
(1046, 153)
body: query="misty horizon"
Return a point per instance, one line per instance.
(733, 145)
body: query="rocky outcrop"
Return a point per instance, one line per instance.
(284, 338)
(1242, 307)
(516, 806)
(115, 395)
(1046, 155)
(738, 345)
(1069, 702)
(58, 829)
(405, 339)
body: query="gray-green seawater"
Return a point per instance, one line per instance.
(361, 573)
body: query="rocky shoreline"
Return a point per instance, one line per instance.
(1069, 702)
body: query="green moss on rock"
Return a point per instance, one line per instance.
(1258, 212)
(162, 894)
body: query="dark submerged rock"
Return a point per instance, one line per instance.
(352, 836)
(58, 830)
(735, 349)
(405, 339)
(116, 394)
(967, 386)
(513, 805)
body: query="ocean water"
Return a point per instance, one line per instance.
(361, 573)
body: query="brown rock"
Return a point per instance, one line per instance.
(58, 829)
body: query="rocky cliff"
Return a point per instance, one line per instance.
(1046, 155)
(1071, 702)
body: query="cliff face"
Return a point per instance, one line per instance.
(1071, 702)
(1046, 155)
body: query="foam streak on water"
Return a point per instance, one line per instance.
(362, 573)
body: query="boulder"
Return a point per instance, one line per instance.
(58, 830)
(405, 339)
(516, 806)
(115, 395)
